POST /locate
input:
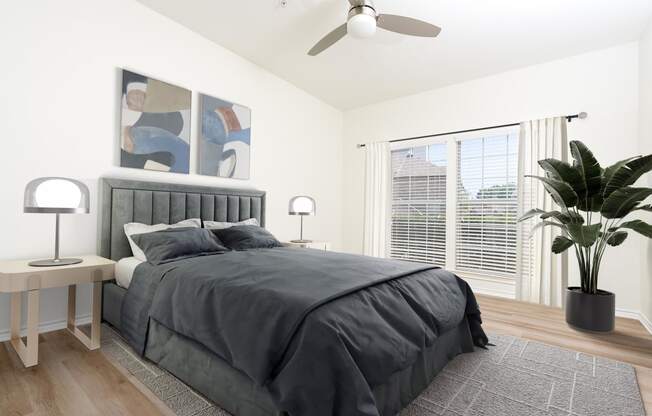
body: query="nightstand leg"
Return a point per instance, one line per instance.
(72, 307)
(92, 342)
(16, 304)
(97, 315)
(28, 353)
(33, 300)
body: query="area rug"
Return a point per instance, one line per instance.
(513, 378)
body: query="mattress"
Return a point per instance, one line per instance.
(124, 271)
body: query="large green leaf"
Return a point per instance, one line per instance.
(647, 208)
(623, 201)
(564, 218)
(588, 167)
(563, 171)
(592, 203)
(561, 244)
(595, 203)
(531, 213)
(628, 173)
(639, 226)
(608, 172)
(617, 238)
(545, 224)
(560, 191)
(584, 235)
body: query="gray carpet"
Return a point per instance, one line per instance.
(516, 377)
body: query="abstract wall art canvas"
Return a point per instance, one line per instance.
(225, 138)
(155, 124)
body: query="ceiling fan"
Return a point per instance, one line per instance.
(363, 20)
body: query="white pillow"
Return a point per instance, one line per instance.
(216, 225)
(133, 228)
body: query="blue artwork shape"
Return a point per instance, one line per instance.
(153, 139)
(225, 139)
(155, 124)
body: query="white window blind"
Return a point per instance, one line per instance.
(486, 209)
(418, 218)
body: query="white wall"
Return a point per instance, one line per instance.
(645, 112)
(59, 82)
(602, 83)
(59, 112)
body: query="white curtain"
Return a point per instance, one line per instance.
(543, 275)
(377, 198)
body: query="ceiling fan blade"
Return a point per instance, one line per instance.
(407, 26)
(328, 40)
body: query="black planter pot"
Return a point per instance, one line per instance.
(590, 312)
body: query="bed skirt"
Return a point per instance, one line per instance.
(236, 393)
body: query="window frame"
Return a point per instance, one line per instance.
(452, 141)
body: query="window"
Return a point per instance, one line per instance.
(418, 229)
(486, 210)
(454, 203)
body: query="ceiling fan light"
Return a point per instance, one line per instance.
(361, 26)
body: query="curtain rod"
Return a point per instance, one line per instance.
(580, 116)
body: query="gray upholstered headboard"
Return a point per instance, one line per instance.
(124, 201)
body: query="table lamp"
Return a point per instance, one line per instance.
(56, 196)
(301, 205)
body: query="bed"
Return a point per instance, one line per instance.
(281, 331)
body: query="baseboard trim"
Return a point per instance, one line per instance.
(628, 313)
(492, 288)
(47, 326)
(637, 316)
(645, 322)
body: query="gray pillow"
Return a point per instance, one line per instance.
(178, 243)
(243, 237)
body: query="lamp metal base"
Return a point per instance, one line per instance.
(301, 241)
(54, 262)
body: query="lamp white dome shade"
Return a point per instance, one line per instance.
(54, 195)
(302, 205)
(58, 193)
(361, 26)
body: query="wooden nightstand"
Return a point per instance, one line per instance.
(319, 245)
(17, 276)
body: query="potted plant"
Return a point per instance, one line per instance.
(593, 203)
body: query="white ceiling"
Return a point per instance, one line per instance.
(479, 38)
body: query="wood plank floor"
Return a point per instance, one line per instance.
(71, 380)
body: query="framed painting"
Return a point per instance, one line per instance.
(155, 124)
(225, 138)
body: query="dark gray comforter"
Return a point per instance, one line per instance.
(318, 329)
